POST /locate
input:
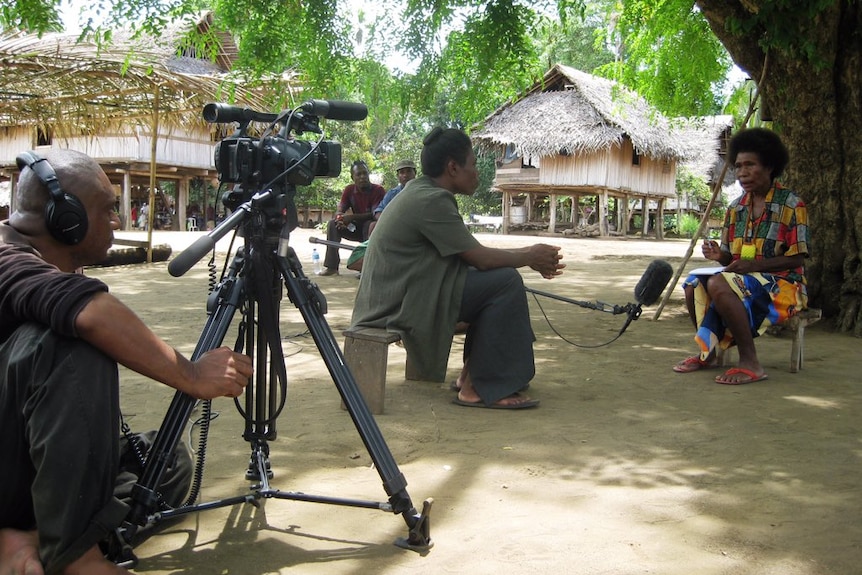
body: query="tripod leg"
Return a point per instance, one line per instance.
(144, 493)
(307, 298)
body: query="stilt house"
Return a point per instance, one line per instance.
(575, 136)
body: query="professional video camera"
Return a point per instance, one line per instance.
(279, 162)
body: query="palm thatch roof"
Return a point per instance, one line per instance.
(704, 136)
(81, 87)
(577, 113)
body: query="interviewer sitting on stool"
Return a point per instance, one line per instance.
(424, 271)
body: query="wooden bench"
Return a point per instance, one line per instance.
(366, 352)
(796, 326)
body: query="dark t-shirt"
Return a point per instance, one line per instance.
(360, 201)
(32, 290)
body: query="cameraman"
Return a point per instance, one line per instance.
(361, 198)
(61, 338)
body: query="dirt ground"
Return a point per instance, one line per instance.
(624, 468)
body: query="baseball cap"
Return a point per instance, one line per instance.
(404, 164)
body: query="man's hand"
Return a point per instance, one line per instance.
(343, 221)
(19, 553)
(220, 373)
(545, 259)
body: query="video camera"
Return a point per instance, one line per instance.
(277, 161)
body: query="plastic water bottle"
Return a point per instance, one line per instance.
(315, 261)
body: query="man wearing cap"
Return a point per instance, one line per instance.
(406, 171)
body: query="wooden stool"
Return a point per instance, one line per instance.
(796, 324)
(366, 352)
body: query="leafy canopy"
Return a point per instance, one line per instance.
(473, 55)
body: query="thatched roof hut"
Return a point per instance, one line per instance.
(574, 134)
(55, 80)
(706, 139)
(581, 114)
(134, 104)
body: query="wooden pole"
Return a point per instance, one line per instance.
(152, 209)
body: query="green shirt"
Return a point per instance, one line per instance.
(412, 275)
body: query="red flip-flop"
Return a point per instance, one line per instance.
(752, 377)
(690, 364)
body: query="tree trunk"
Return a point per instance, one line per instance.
(817, 109)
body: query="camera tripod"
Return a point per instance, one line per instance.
(253, 285)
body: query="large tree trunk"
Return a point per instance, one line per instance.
(817, 109)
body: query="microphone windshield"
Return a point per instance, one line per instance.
(652, 283)
(337, 110)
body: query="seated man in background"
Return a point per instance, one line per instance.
(424, 272)
(61, 337)
(360, 197)
(406, 171)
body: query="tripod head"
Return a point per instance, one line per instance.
(260, 204)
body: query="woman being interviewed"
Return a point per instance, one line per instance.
(764, 242)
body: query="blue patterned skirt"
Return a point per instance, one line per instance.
(768, 300)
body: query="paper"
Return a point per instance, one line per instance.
(706, 271)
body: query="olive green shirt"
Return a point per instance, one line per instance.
(412, 275)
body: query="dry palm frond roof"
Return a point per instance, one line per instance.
(702, 136)
(80, 87)
(576, 112)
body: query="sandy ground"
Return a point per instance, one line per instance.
(625, 468)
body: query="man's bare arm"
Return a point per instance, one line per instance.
(543, 258)
(109, 325)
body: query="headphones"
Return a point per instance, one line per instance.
(65, 215)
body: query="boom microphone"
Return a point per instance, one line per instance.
(336, 110)
(225, 114)
(649, 289)
(647, 292)
(652, 283)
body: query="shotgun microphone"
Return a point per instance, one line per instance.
(649, 288)
(225, 114)
(336, 110)
(652, 283)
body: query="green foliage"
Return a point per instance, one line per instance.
(688, 225)
(692, 187)
(739, 102)
(577, 38)
(470, 90)
(669, 56)
(306, 38)
(489, 60)
(33, 16)
(688, 185)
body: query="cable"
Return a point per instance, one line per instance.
(201, 453)
(562, 337)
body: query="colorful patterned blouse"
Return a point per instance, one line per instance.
(782, 229)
